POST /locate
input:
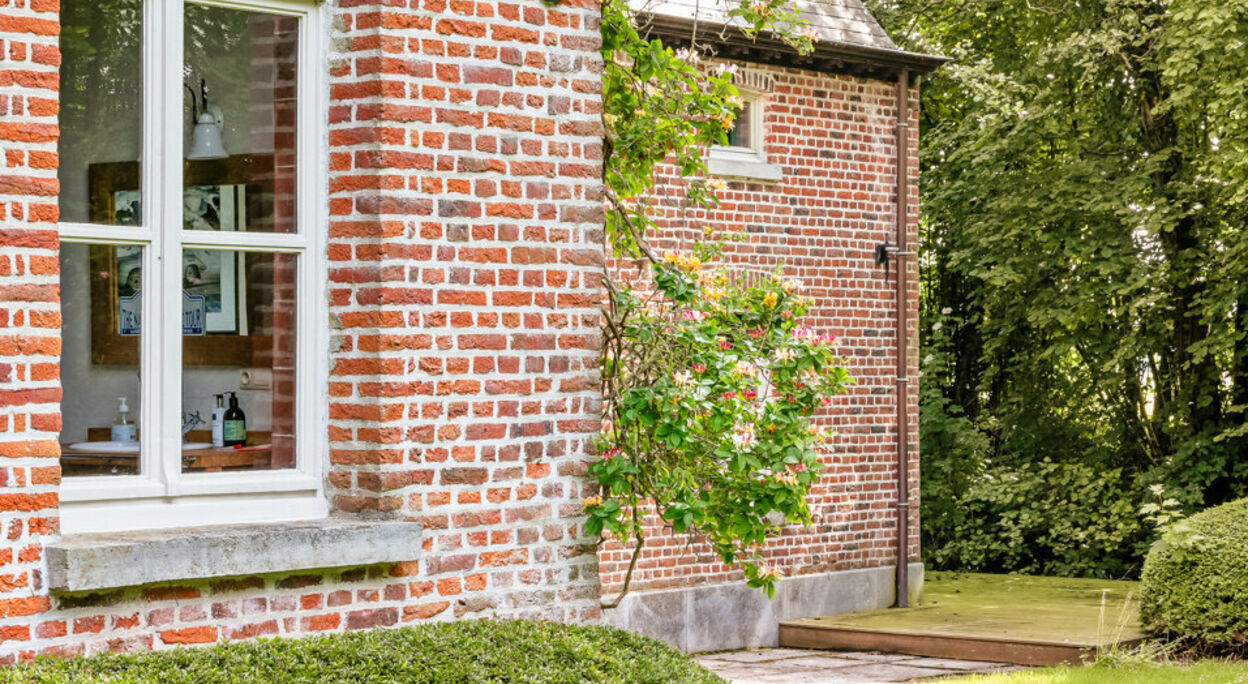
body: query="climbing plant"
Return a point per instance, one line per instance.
(710, 379)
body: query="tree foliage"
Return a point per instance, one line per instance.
(1084, 316)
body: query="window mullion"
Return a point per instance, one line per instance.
(167, 229)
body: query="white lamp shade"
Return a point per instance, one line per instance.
(206, 139)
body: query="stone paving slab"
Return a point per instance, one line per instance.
(800, 666)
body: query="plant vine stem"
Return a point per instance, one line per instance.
(632, 564)
(632, 229)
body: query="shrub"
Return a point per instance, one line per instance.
(1195, 582)
(463, 651)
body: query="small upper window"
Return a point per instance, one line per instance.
(742, 133)
(745, 154)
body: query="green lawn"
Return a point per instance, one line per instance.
(1202, 673)
(1051, 609)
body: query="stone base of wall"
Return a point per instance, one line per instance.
(720, 617)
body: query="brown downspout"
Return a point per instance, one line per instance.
(903, 353)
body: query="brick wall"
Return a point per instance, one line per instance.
(834, 137)
(464, 242)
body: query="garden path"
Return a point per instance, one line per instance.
(801, 666)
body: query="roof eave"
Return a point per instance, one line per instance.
(828, 56)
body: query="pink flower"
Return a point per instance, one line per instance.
(826, 401)
(748, 395)
(725, 345)
(699, 368)
(611, 453)
(743, 435)
(756, 333)
(802, 333)
(727, 396)
(828, 339)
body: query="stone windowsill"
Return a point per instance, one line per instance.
(90, 562)
(738, 162)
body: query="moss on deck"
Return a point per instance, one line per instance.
(1049, 609)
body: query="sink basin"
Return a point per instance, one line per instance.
(107, 447)
(128, 447)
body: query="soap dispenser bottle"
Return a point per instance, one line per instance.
(218, 422)
(124, 429)
(234, 426)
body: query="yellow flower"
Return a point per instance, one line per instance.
(713, 293)
(590, 502)
(769, 301)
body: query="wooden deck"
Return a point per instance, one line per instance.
(1002, 618)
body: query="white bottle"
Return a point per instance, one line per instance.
(124, 429)
(218, 423)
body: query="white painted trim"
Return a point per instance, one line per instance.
(162, 496)
(739, 162)
(121, 515)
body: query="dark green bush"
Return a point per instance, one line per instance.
(464, 651)
(1194, 586)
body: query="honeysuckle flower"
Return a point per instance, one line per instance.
(825, 401)
(743, 435)
(699, 368)
(727, 396)
(748, 395)
(745, 369)
(769, 571)
(590, 502)
(802, 332)
(769, 300)
(726, 122)
(798, 467)
(713, 293)
(826, 339)
(783, 354)
(725, 68)
(611, 453)
(818, 432)
(717, 184)
(682, 378)
(792, 285)
(786, 478)
(756, 333)
(723, 344)
(811, 33)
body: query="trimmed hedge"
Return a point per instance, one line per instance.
(463, 651)
(1194, 587)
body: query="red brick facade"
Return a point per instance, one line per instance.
(464, 245)
(834, 137)
(463, 264)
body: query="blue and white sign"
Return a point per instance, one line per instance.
(194, 314)
(129, 314)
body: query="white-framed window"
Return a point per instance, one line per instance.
(745, 154)
(192, 183)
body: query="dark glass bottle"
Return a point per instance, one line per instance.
(235, 427)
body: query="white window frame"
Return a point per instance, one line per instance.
(161, 495)
(746, 161)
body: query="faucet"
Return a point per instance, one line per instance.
(189, 421)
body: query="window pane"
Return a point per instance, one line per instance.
(739, 136)
(101, 116)
(100, 315)
(238, 343)
(239, 106)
